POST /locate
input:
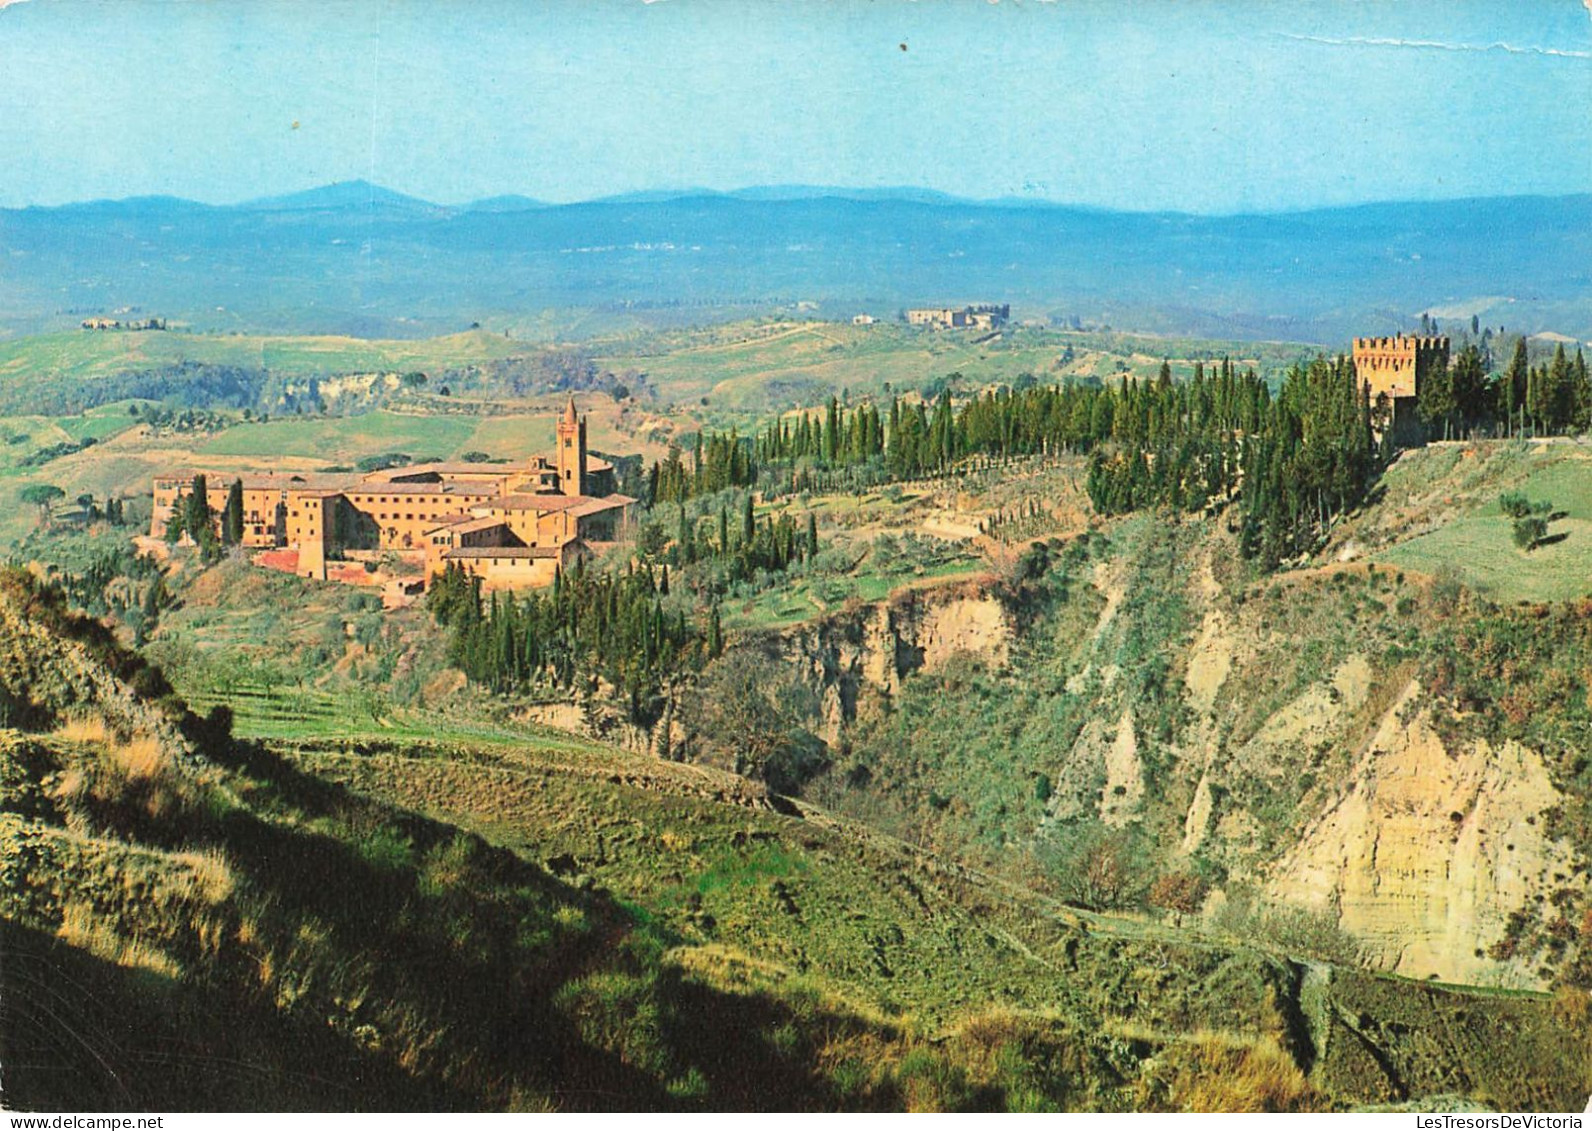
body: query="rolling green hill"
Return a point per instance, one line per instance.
(748, 366)
(753, 367)
(79, 355)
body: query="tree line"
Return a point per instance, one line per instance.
(1550, 399)
(744, 546)
(718, 461)
(1293, 461)
(922, 437)
(589, 625)
(833, 438)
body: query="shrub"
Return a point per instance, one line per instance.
(385, 848)
(1572, 1008)
(382, 462)
(930, 1082)
(619, 1013)
(758, 716)
(1514, 504)
(1312, 933)
(1530, 531)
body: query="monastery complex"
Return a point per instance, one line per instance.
(514, 526)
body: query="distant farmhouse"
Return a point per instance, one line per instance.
(513, 527)
(102, 323)
(985, 316)
(1391, 371)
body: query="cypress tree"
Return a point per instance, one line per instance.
(232, 516)
(715, 634)
(1513, 386)
(198, 517)
(174, 521)
(1581, 395)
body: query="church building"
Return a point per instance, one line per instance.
(514, 526)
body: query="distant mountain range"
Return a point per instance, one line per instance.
(358, 258)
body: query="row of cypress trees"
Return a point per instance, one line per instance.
(834, 438)
(1554, 398)
(918, 438)
(1294, 461)
(590, 624)
(718, 461)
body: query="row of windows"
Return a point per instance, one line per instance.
(451, 500)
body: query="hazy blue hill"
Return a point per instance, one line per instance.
(655, 196)
(506, 203)
(355, 255)
(124, 206)
(341, 195)
(815, 192)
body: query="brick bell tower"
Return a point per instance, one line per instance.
(571, 451)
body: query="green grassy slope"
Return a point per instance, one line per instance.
(339, 438)
(1473, 540)
(777, 901)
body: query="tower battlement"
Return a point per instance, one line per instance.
(1394, 367)
(1403, 342)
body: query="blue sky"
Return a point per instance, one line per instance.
(1199, 105)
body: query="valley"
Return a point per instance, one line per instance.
(612, 921)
